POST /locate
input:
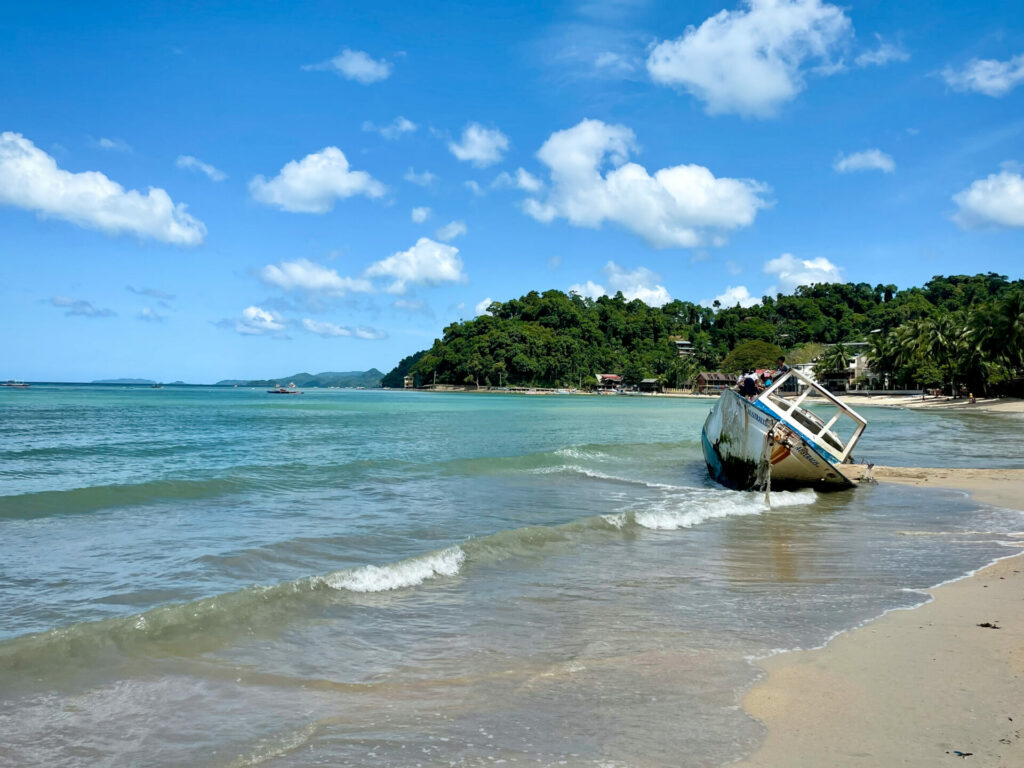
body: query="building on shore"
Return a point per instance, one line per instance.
(709, 382)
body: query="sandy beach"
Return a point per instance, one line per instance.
(937, 684)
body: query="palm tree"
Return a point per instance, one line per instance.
(835, 358)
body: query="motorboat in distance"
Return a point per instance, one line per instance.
(775, 441)
(289, 390)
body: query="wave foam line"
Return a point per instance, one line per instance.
(666, 516)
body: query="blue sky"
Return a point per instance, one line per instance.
(231, 190)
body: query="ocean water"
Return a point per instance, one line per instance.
(201, 577)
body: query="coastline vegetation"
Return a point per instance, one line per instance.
(953, 331)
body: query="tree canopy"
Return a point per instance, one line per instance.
(964, 328)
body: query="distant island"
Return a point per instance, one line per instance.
(370, 378)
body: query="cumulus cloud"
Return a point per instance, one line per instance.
(426, 263)
(424, 179)
(867, 160)
(309, 276)
(481, 308)
(475, 188)
(451, 230)
(258, 322)
(329, 330)
(420, 214)
(522, 179)
(30, 179)
(995, 201)
(882, 55)
(190, 163)
(752, 61)
(589, 288)
(988, 76)
(393, 130)
(312, 184)
(356, 65)
(640, 283)
(791, 272)
(673, 208)
(80, 307)
(480, 146)
(733, 296)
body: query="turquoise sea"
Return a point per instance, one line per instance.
(222, 577)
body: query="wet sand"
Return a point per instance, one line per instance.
(920, 687)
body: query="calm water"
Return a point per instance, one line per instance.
(194, 577)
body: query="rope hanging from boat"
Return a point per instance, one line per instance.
(764, 466)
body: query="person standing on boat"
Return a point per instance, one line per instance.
(781, 368)
(750, 385)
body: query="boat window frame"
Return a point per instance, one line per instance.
(786, 408)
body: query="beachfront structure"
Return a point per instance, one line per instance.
(712, 381)
(650, 385)
(609, 381)
(408, 382)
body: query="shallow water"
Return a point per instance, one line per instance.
(224, 578)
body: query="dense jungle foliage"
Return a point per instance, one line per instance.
(953, 331)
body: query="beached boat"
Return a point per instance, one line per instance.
(775, 438)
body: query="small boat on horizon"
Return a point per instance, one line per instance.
(15, 384)
(775, 442)
(289, 390)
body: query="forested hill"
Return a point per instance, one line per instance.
(556, 339)
(370, 378)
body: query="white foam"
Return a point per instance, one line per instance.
(407, 573)
(616, 520)
(668, 516)
(576, 469)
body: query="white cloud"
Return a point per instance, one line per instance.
(989, 76)
(308, 276)
(733, 296)
(671, 208)
(475, 188)
(393, 130)
(80, 307)
(451, 230)
(882, 55)
(481, 308)
(356, 65)
(752, 61)
(151, 316)
(867, 160)
(480, 146)
(329, 330)
(256, 322)
(589, 288)
(190, 163)
(640, 283)
(995, 201)
(424, 179)
(117, 145)
(312, 184)
(733, 267)
(413, 306)
(30, 179)
(426, 263)
(614, 63)
(522, 179)
(792, 272)
(420, 214)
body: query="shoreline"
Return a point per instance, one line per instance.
(914, 686)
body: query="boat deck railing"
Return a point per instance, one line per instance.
(820, 431)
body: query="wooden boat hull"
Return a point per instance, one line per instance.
(733, 441)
